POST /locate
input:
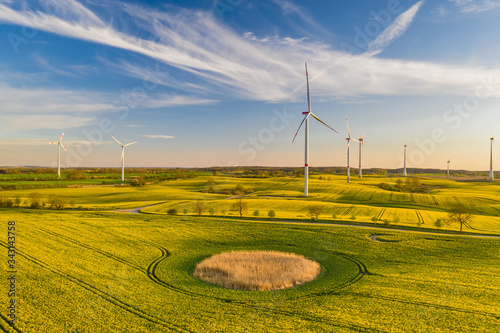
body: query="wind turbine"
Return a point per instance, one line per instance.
(123, 155)
(59, 145)
(448, 171)
(306, 120)
(404, 169)
(349, 139)
(492, 177)
(361, 143)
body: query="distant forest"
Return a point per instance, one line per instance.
(40, 173)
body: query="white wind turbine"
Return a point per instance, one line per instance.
(349, 139)
(123, 155)
(492, 177)
(361, 143)
(59, 145)
(306, 120)
(404, 169)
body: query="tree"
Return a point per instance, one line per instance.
(460, 214)
(57, 201)
(211, 211)
(439, 223)
(315, 211)
(256, 213)
(172, 211)
(271, 214)
(35, 200)
(199, 207)
(17, 202)
(239, 206)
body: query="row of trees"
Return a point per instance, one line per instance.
(35, 201)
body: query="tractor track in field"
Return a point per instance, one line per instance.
(104, 253)
(8, 324)
(348, 210)
(435, 200)
(150, 271)
(457, 200)
(427, 304)
(380, 214)
(111, 299)
(419, 216)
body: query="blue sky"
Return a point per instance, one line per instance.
(219, 83)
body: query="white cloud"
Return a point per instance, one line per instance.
(159, 136)
(213, 59)
(394, 30)
(476, 6)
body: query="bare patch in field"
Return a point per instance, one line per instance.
(257, 270)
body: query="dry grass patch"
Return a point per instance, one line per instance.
(257, 270)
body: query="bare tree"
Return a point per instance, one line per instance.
(239, 206)
(35, 199)
(461, 214)
(315, 211)
(199, 207)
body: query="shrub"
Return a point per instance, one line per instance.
(439, 223)
(374, 218)
(256, 213)
(334, 215)
(271, 214)
(353, 217)
(172, 211)
(211, 211)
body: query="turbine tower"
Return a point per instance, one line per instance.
(59, 145)
(306, 120)
(349, 139)
(448, 171)
(361, 143)
(492, 177)
(123, 155)
(404, 169)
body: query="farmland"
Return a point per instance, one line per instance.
(88, 269)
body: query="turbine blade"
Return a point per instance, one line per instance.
(117, 141)
(308, 95)
(347, 147)
(321, 121)
(63, 147)
(347, 123)
(52, 143)
(355, 140)
(300, 127)
(128, 144)
(60, 140)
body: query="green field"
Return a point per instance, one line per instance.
(86, 269)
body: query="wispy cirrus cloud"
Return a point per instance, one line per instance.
(214, 60)
(158, 136)
(395, 30)
(475, 6)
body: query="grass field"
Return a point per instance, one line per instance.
(112, 272)
(82, 270)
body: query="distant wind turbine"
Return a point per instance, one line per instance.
(361, 143)
(448, 170)
(59, 145)
(349, 139)
(404, 168)
(306, 120)
(123, 155)
(492, 177)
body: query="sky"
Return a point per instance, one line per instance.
(222, 82)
